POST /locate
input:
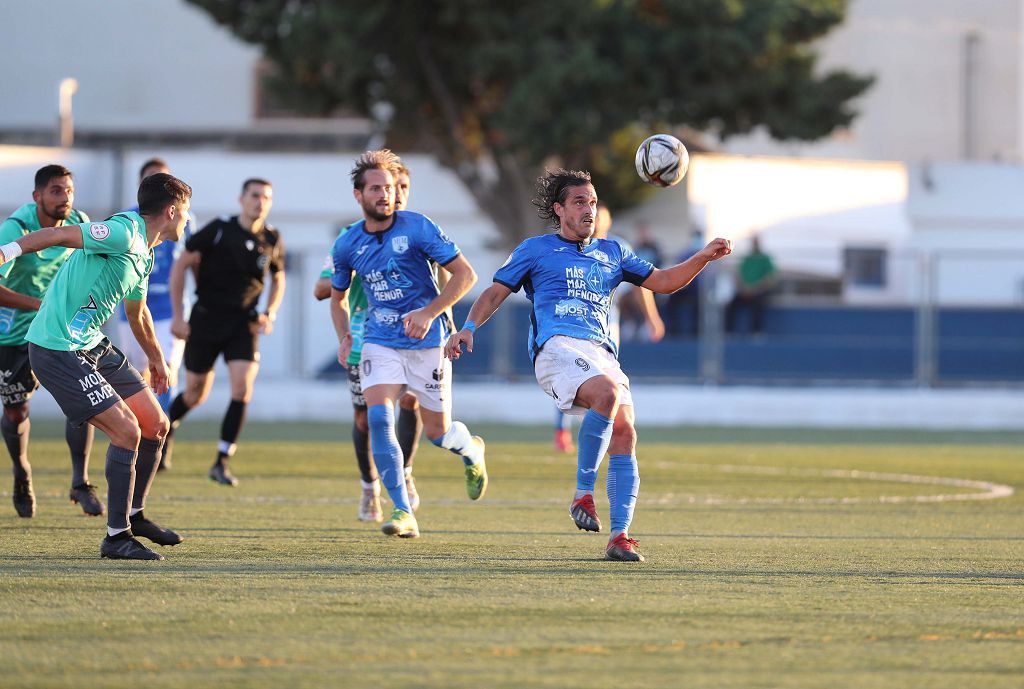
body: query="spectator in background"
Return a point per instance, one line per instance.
(644, 244)
(683, 307)
(754, 282)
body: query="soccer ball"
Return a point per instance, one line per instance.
(662, 160)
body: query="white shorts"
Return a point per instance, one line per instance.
(172, 347)
(425, 373)
(565, 363)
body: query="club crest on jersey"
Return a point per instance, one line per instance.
(600, 256)
(99, 231)
(400, 244)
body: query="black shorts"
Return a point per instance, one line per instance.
(87, 382)
(212, 334)
(17, 382)
(355, 386)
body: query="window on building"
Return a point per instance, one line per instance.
(864, 266)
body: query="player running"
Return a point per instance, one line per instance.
(409, 424)
(570, 278)
(22, 284)
(391, 252)
(88, 377)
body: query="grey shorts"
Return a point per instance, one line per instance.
(17, 382)
(355, 386)
(87, 382)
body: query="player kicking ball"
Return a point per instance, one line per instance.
(392, 252)
(570, 278)
(90, 378)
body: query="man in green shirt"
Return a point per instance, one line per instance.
(22, 284)
(88, 377)
(754, 283)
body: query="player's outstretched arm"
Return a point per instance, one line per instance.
(339, 317)
(70, 237)
(679, 276)
(483, 308)
(141, 322)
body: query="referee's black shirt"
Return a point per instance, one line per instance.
(234, 263)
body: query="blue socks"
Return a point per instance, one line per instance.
(458, 441)
(623, 486)
(387, 454)
(595, 435)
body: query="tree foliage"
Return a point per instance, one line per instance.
(498, 90)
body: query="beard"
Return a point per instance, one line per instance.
(57, 212)
(372, 211)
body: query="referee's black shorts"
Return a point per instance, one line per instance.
(213, 333)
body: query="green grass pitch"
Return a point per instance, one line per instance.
(775, 559)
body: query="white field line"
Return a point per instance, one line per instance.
(986, 491)
(989, 490)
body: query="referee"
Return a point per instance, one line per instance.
(230, 258)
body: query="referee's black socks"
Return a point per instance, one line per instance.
(230, 428)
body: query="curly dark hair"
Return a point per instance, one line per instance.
(553, 186)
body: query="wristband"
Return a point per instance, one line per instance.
(470, 326)
(11, 251)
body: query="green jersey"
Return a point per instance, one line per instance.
(357, 306)
(755, 268)
(29, 274)
(114, 264)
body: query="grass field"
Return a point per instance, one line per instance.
(775, 559)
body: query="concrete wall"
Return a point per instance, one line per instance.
(916, 108)
(140, 65)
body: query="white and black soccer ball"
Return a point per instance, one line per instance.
(662, 160)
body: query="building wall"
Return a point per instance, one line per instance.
(916, 110)
(139, 65)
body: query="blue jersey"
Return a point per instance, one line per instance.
(164, 254)
(396, 269)
(571, 285)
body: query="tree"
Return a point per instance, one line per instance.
(498, 90)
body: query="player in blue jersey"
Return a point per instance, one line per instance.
(655, 326)
(570, 278)
(409, 424)
(23, 282)
(392, 252)
(158, 300)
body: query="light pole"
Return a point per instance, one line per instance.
(67, 89)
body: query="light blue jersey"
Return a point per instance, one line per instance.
(571, 285)
(395, 267)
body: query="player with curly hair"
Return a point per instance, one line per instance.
(570, 277)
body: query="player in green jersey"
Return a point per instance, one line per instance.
(409, 425)
(88, 377)
(22, 284)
